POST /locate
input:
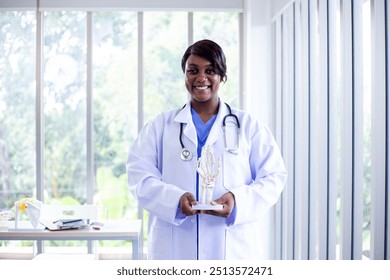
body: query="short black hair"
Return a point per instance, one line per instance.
(210, 51)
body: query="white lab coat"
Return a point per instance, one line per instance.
(255, 174)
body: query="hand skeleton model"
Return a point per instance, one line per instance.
(208, 170)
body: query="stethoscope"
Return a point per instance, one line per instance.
(186, 154)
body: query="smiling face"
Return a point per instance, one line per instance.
(202, 82)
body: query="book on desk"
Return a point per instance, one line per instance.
(66, 224)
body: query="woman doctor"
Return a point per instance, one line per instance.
(162, 164)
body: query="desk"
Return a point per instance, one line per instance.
(112, 230)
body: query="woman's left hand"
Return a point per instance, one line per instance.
(228, 201)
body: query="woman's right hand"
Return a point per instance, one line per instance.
(186, 202)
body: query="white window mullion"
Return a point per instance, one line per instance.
(298, 147)
(39, 108)
(140, 71)
(278, 135)
(356, 194)
(304, 238)
(378, 158)
(387, 255)
(313, 127)
(29, 5)
(284, 139)
(347, 133)
(190, 38)
(278, 79)
(290, 129)
(242, 47)
(39, 120)
(301, 132)
(190, 28)
(288, 133)
(140, 83)
(333, 119)
(89, 118)
(90, 143)
(178, 5)
(322, 130)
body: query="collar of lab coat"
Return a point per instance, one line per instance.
(184, 116)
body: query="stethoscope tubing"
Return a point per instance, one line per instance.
(187, 155)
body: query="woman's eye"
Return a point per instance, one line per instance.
(191, 71)
(210, 72)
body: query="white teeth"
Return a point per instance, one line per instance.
(201, 88)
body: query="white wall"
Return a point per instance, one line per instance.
(259, 68)
(258, 90)
(258, 96)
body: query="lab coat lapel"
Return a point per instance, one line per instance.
(189, 131)
(216, 131)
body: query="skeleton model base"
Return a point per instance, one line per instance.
(207, 207)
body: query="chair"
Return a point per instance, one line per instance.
(56, 212)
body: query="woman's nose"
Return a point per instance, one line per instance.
(201, 77)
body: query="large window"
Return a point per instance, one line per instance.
(84, 87)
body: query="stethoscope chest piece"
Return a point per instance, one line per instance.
(186, 154)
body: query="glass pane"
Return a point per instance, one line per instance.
(17, 107)
(165, 41)
(64, 109)
(17, 115)
(335, 115)
(223, 28)
(64, 91)
(115, 109)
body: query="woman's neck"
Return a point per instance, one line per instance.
(206, 110)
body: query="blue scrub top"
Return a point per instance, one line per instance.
(202, 129)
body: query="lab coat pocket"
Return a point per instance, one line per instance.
(160, 243)
(242, 242)
(236, 170)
